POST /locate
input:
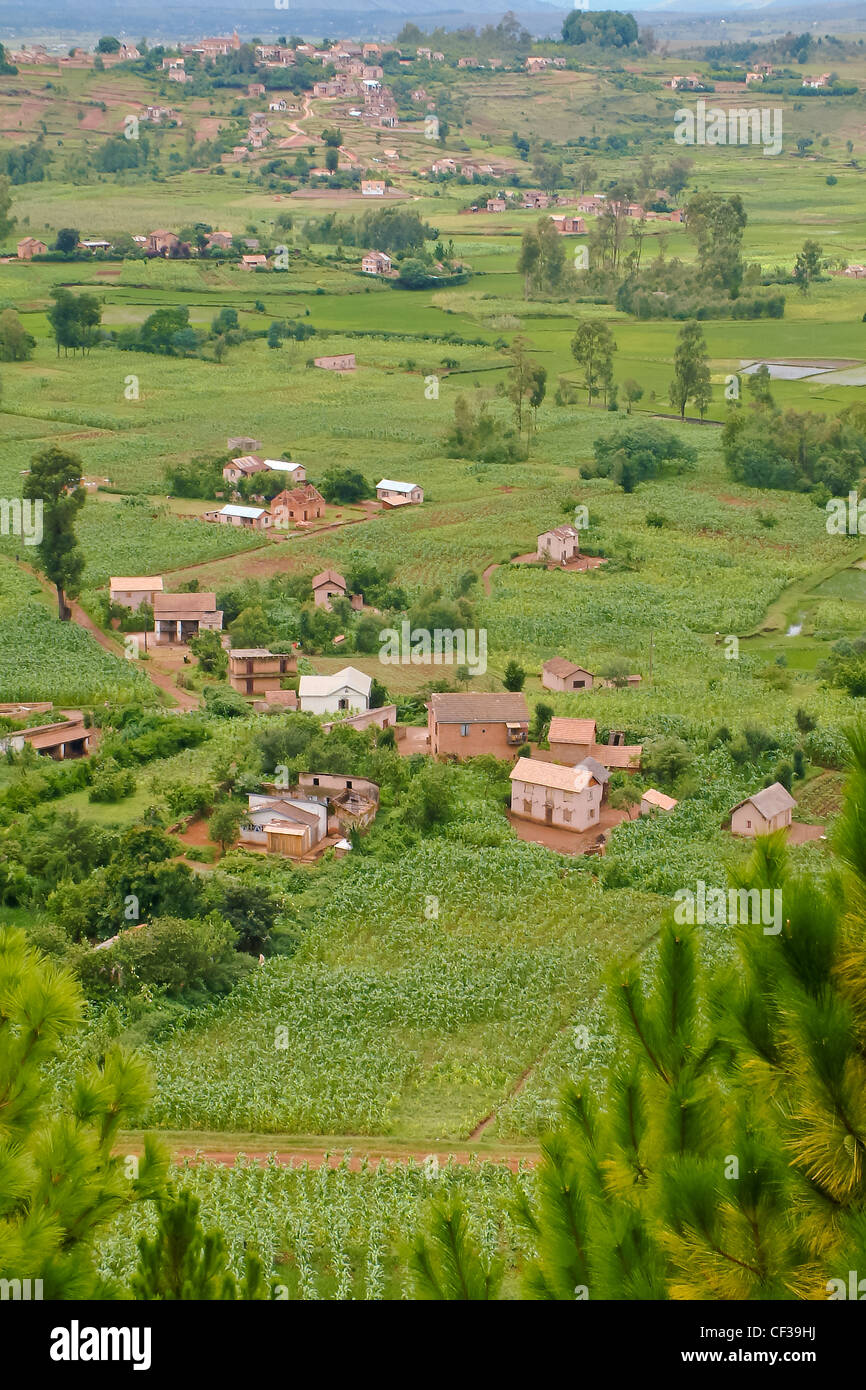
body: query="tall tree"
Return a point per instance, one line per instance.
(185, 1262)
(55, 481)
(807, 266)
(717, 224)
(593, 347)
(691, 371)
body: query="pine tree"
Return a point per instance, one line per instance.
(60, 1183)
(445, 1263)
(184, 1262)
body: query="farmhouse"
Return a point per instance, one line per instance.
(375, 263)
(560, 674)
(295, 472)
(766, 811)
(568, 797)
(327, 585)
(222, 240)
(179, 617)
(304, 503)
(256, 261)
(134, 590)
(463, 726)
(354, 801)
(573, 740)
(592, 202)
(373, 188)
(253, 518)
(348, 690)
(397, 494)
(65, 738)
(496, 204)
(278, 105)
(286, 825)
(343, 362)
(254, 670)
(568, 226)
(30, 247)
(855, 272)
(652, 801)
(256, 89)
(532, 198)
(243, 467)
(161, 243)
(560, 544)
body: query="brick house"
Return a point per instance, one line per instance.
(462, 726)
(178, 617)
(304, 503)
(243, 467)
(567, 797)
(254, 670)
(569, 226)
(251, 518)
(327, 585)
(496, 204)
(161, 243)
(560, 544)
(64, 738)
(222, 240)
(30, 247)
(373, 188)
(561, 674)
(295, 472)
(375, 263)
(133, 590)
(766, 811)
(571, 740)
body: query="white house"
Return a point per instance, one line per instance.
(343, 691)
(294, 471)
(397, 494)
(256, 518)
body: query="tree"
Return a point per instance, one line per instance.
(7, 222)
(542, 258)
(183, 1262)
(625, 798)
(55, 480)
(758, 384)
(344, 485)
(445, 1262)
(62, 1182)
(108, 44)
(541, 723)
(617, 671)
(807, 266)
(74, 320)
(223, 825)
(332, 160)
(632, 391)
(16, 344)
(67, 240)
(718, 223)
(514, 676)
(691, 371)
(666, 759)
(251, 628)
(592, 347)
(208, 649)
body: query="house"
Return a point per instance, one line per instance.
(64, 738)
(560, 674)
(134, 590)
(161, 243)
(754, 77)
(178, 617)
(94, 245)
(496, 204)
(254, 670)
(222, 240)
(822, 81)
(304, 503)
(571, 740)
(353, 801)
(242, 442)
(253, 518)
(591, 202)
(342, 362)
(652, 801)
(766, 811)
(243, 467)
(30, 247)
(567, 797)
(256, 89)
(157, 114)
(348, 689)
(373, 188)
(285, 824)
(375, 263)
(569, 226)
(532, 198)
(397, 494)
(855, 272)
(254, 262)
(178, 75)
(278, 105)
(443, 166)
(295, 472)
(559, 545)
(327, 585)
(419, 94)
(462, 726)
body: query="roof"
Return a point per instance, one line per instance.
(505, 708)
(248, 461)
(297, 495)
(184, 603)
(251, 651)
(328, 577)
(134, 583)
(328, 685)
(541, 774)
(626, 755)
(563, 532)
(600, 773)
(561, 666)
(282, 466)
(770, 801)
(393, 486)
(230, 509)
(664, 803)
(571, 730)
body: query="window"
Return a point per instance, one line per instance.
(566, 816)
(348, 785)
(748, 825)
(315, 781)
(592, 813)
(343, 704)
(464, 730)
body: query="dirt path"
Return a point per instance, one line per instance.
(318, 1156)
(487, 575)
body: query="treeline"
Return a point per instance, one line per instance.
(799, 451)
